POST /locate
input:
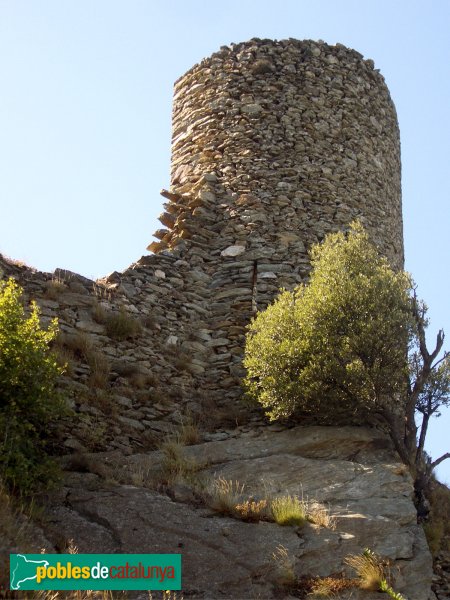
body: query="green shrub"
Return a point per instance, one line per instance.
(29, 400)
(336, 346)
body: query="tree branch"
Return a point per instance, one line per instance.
(440, 360)
(423, 434)
(438, 461)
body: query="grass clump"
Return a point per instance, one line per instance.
(99, 313)
(100, 369)
(252, 511)
(140, 475)
(369, 567)
(175, 465)
(54, 287)
(225, 495)
(320, 515)
(289, 510)
(121, 326)
(327, 587)
(79, 343)
(79, 346)
(189, 433)
(373, 573)
(284, 566)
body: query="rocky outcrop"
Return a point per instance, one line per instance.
(351, 471)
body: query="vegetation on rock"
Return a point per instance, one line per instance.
(373, 573)
(121, 326)
(29, 400)
(351, 344)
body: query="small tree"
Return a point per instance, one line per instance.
(28, 397)
(339, 346)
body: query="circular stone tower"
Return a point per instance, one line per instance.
(304, 135)
(275, 144)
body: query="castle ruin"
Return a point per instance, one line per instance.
(275, 144)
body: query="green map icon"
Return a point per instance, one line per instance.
(23, 569)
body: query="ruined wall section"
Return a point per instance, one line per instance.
(127, 391)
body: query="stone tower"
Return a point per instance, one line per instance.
(275, 144)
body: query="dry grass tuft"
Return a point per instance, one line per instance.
(371, 569)
(65, 359)
(100, 369)
(328, 587)
(99, 313)
(80, 344)
(189, 433)
(284, 566)
(140, 476)
(225, 495)
(252, 511)
(54, 288)
(175, 465)
(320, 515)
(101, 292)
(122, 326)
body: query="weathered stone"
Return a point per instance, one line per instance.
(233, 251)
(131, 423)
(251, 109)
(269, 464)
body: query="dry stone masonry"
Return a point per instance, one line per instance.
(275, 144)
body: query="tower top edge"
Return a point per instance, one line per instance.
(262, 46)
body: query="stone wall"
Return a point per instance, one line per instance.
(275, 144)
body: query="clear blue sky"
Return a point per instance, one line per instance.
(85, 109)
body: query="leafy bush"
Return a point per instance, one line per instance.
(29, 400)
(338, 344)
